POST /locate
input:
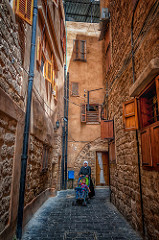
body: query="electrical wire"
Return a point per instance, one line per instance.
(142, 33)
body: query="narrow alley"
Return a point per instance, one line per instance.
(57, 219)
(79, 115)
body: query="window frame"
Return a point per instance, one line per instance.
(84, 107)
(148, 149)
(77, 54)
(24, 16)
(72, 93)
(148, 87)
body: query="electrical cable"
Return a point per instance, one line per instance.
(142, 33)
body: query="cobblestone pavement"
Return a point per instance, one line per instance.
(57, 219)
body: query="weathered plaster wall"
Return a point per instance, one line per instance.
(124, 175)
(82, 136)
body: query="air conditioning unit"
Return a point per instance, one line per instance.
(104, 14)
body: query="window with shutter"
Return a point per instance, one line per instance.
(154, 134)
(149, 112)
(149, 122)
(130, 116)
(48, 71)
(83, 113)
(24, 9)
(107, 129)
(79, 50)
(92, 116)
(74, 89)
(146, 148)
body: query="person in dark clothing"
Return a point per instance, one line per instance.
(86, 171)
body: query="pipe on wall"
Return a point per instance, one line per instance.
(66, 133)
(137, 140)
(24, 156)
(63, 133)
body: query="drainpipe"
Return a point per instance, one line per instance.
(137, 140)
(63, 132)
(66, 143)
(27, 127)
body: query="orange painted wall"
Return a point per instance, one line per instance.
(89, 76)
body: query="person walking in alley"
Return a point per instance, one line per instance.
(86, 171)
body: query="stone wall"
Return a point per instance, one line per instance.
(7, 144)
(15, 38)
(11, 71)
(124, 174)
(37, 180)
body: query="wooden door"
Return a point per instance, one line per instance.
(105, 164)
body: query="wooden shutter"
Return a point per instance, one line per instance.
(75, 49)
(146, 147)
(82, 50)
(107, 129)
(39, 51)
(112, 156)
(157, 90)
(74, 88)
(24, 9)
(154, 134)
(130, 116)
(83, 113)
(48, 71)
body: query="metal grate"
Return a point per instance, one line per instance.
(81, 10)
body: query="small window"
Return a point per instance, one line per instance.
(79, 50)
(149, 123)
(92, 115)
(45, 157)
(24, 9)
(74, 89)
(149, 113)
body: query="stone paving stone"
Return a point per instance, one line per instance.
(57, 219)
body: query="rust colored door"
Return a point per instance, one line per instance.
(102, 169)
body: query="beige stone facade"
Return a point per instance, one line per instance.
(124, 172)
(44, 155)
(84, 139)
